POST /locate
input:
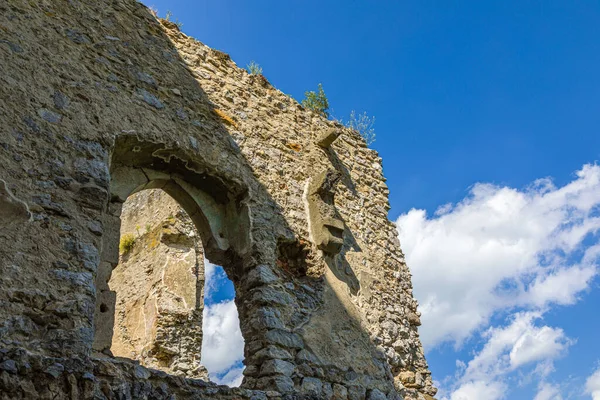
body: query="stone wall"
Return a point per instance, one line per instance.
(156, 290)
(99, 101)
(24, 375)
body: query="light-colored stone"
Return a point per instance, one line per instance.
(157, 287)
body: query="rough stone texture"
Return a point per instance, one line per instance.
(24, 375)
(154, 298)
(143, 106)
(327, 228)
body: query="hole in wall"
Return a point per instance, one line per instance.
(223, 343)
(160, 293)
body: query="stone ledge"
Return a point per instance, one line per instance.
(26, 375)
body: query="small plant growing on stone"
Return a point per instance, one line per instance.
(254, 68)
(168, 16)
(317, 101)
(153, 11)
(363, 124)
(148, 227)
(126, 243)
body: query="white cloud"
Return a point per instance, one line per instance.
(547, 391)
(562, 285)
(510, 347)
(477, 390)
(507, 349)
(504, 253)
(501, 248)
(232, 378)
(538, 344)
(210, 283)
(223, 344)
(592, 385)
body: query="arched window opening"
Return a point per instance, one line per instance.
(150, 306)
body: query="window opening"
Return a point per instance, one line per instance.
(223, 344)
(164, 305)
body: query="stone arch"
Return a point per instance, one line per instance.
(216, 207)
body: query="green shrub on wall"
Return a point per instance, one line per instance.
(317, 101)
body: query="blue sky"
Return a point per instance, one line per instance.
(474, 102)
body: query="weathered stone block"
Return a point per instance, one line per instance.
(327, 227)
(328, 137)
(376, 394)
(12, 210)
(111, 239)
(267, 318)
(277, 367)
(260, 275)
(356, 393)
(312, 387)
(126, 180)
(280, 383)
(327, 391)
(271, 352)
(284, 339)
(308, 357)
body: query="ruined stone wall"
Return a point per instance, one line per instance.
(157, 288)
(99, 100)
